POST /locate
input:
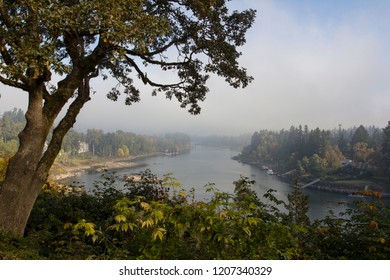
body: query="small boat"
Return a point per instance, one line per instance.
(356, 195)
(270, 172)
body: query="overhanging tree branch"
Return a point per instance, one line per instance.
(145, 78)
(161, 63)
(13, 83)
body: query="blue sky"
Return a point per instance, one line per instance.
(320, 63)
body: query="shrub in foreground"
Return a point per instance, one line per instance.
(157, 219)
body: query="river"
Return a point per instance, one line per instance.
(204, 165)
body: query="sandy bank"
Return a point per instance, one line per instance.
(63, 171)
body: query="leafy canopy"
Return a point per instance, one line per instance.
(122, 38)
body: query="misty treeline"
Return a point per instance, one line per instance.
(321, 151)
(95, 141)
(232, 142)
(120, 143)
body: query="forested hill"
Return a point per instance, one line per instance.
(94, 141)
(322, 152)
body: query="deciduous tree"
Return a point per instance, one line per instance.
(79, 40)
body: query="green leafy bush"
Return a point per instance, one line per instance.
(152, 218)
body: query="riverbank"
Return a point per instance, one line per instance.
(345, 186)
(340, 185)
(352, 187)
(66, 170)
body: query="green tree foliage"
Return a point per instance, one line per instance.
(319, 152)
(99, 142)
(125, 39)
(385, 150)
(94, 138)
(9, 147)
(360, 135)
(318, 165)
(342, 142)
(11, 123)
(71, 142)
(3, 166)
(365, 228)
(109, 144)
(153, 218)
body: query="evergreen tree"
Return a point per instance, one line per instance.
(360, 135)
(386, 149)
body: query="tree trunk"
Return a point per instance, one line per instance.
(19, 192)
(22, 183)
(29, 168)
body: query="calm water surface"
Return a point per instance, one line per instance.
(204, 165)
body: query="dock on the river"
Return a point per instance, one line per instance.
(311, 183)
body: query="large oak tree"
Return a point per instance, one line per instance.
(78, 40)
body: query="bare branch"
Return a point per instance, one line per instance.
(164, 48)
(12, 83)
(146, 80)
(156, 62)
